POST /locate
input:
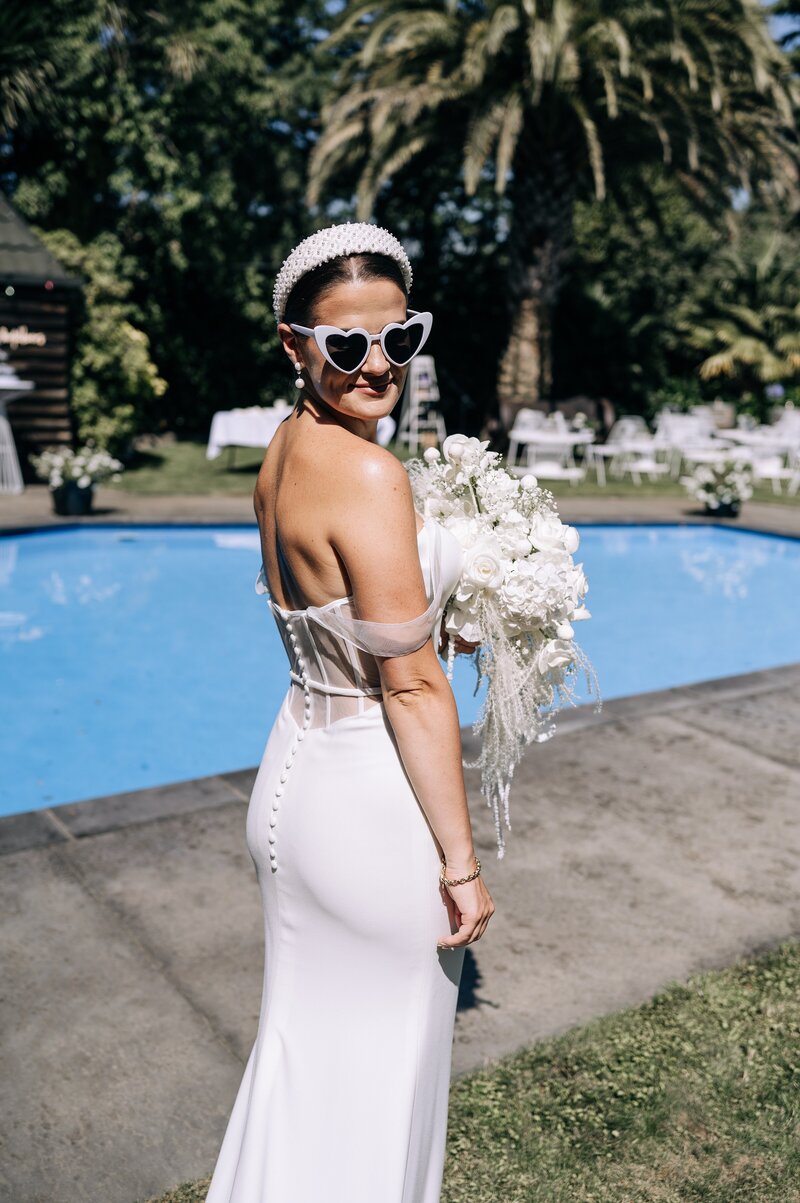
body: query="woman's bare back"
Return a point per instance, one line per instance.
(302, 500)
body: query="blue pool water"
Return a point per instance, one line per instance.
(135, 656)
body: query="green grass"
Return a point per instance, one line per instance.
(182, 467)
(693, 1097)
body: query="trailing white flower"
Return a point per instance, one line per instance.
(518, 595)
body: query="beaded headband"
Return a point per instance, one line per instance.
(349, 238)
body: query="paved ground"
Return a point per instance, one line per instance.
(33, 508)
(656, 839)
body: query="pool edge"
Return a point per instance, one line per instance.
(112, 812)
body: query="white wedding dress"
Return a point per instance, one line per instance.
(344, 1096)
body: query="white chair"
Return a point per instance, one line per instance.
(705, 417)
(419, 414)
(680, 435)
(638, 464)
(527, 422)
(548, 463)
(787, 424)
(556, 422)
(777, 468)
(550, 469)
(626, 430)
(794, 464)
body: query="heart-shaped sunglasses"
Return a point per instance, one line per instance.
(348, 350)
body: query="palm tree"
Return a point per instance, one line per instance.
(37, 40)
(742, 319)
(551, 96)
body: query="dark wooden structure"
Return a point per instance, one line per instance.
(37, 306)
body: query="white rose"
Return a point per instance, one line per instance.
(554, 654)
(460, 622)
(571, 539)
(453, 447)
(529, 481)
(548, 532)
(483, 568)
(430, 455)
(457, 448)
(466, 530)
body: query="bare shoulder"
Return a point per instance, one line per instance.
(373, 469)
(373, 529)
(373, 492)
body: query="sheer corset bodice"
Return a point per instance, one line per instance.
(333, 654)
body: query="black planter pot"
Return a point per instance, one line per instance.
(72, 498)
(726, 509)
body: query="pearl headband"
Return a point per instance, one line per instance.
(349, 238)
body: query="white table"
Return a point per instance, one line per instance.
(558, 443)
(765, 438)
(256, 427)
(253, 427)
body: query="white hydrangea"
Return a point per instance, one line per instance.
(86, 466)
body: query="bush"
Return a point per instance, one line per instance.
(114, 380)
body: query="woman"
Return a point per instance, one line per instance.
(359, 803)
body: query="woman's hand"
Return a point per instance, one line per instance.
(461, 645)
(469, 907)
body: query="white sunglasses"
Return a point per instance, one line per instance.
(348, 350)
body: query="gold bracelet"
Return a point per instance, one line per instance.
(461, 880)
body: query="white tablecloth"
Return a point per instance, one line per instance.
(256, 426)
(253, 427)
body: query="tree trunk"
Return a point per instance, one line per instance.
(520, 373)
(542, 195)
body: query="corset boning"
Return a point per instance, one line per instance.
(331, 677)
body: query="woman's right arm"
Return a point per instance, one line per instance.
(379, 545)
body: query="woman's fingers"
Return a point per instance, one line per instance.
(471, 923)
(466, 934)
(462, 647)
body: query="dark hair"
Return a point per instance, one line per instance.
(344, 269)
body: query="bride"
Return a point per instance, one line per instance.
(358, 823)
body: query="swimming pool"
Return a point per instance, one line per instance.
(141, 655)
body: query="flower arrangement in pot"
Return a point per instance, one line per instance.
(72, 475)
(722, 487)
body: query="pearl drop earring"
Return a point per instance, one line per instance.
(298, 380)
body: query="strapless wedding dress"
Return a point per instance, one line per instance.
(344, 1096)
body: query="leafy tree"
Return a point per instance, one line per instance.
(182, 128)
(114, 379)
(36, 46)
(744, 318)
(553, 101)
(636, 257)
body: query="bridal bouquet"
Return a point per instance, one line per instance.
(519, 594)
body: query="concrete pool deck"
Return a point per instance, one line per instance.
(650, 841)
